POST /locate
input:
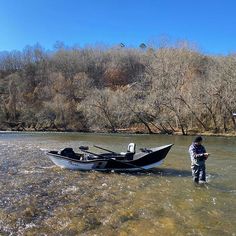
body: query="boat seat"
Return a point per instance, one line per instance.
(67, 152)
(131, 148)
(130, 151)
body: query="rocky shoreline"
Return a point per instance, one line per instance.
(133, 130)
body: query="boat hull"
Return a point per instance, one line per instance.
(141, 161)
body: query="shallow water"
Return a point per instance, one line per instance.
(38, 198)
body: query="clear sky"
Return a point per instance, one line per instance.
(211, 24)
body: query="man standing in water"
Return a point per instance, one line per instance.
(198, 157)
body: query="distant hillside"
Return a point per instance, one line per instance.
(169, 89)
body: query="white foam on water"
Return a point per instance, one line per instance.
(71, 189)
(214, 200)
(46, 167)
(30, 172)
(30, 225)
(21, 230)
(233, 191)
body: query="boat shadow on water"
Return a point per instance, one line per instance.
(171, 172)
(160, 172)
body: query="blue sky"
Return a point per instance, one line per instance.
(209, 24)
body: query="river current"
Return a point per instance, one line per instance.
(38, 198)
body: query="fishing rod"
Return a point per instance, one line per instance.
(85, 150)
(104, 149)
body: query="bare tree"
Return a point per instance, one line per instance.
(165, 88)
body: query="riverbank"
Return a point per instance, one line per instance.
(133, 130)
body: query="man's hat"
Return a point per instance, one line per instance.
(198, 139)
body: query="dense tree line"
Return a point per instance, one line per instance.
(166, 89)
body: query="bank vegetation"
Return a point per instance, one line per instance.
(167, 89)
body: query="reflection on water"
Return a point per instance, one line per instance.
(38, 198)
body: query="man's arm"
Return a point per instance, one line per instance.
(193, 153)
(205, 153)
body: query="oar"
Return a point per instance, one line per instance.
(95, 154)
(128, 164)
(104, 149)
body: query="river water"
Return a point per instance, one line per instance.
(38, 198)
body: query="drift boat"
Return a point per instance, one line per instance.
(124, 161)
